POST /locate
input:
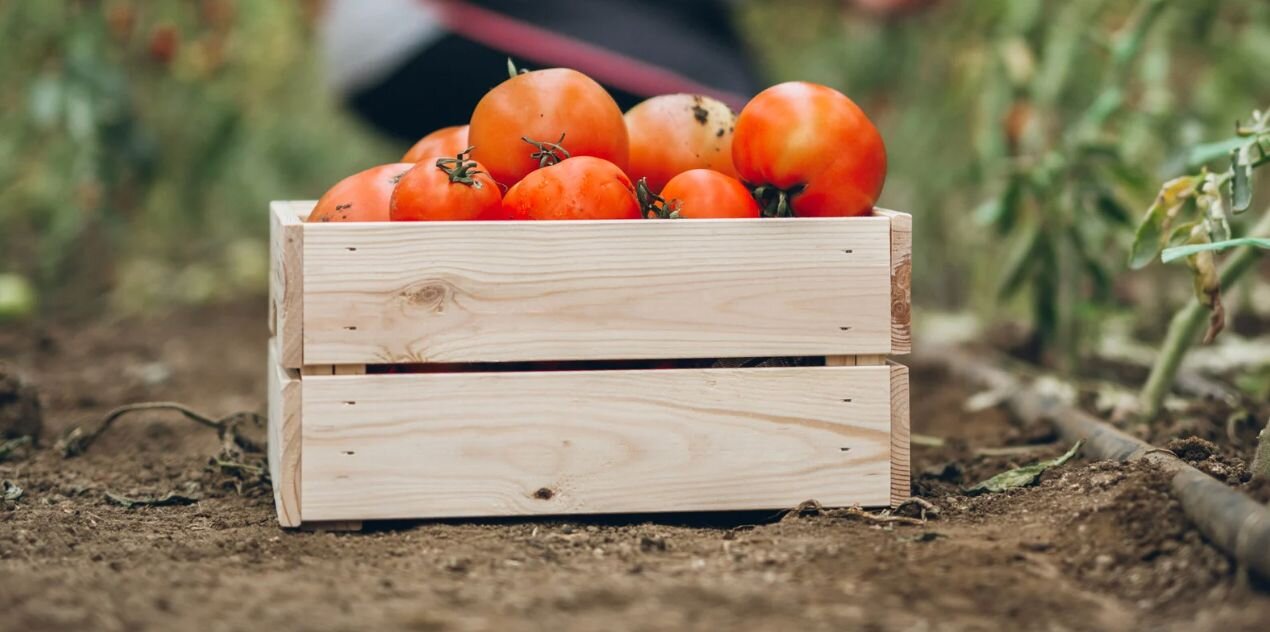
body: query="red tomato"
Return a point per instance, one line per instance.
(578, 188)
(810, 151)
(447, 141)
(553, 105)
(702, 193)
(673, 133)
(447, 189)
(361, 197)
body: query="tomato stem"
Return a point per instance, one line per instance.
(776, 202)
(548, 153)
(653, 206)
(461, 168)
(512, 70)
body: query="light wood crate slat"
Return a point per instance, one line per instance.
(516, 291)
(494, 444)
(284, 438)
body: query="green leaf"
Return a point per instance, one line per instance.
(1178, 252)
(1146, 240)
(1022, 476)
(170, 498)
(1021, 260)
(1200, 155)
(1111, 208)
(1002, 211)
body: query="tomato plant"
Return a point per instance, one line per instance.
(1190, 220)
(673, 133)
(542, 106)
(583, 187)
(810, 151)
(447, 141)
(699, 194)
(361, 197)
(449, 189)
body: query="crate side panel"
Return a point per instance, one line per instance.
(464, 445)
(514, 291)
(284, 439)
(286, 288)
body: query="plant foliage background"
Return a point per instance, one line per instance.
(141, 141)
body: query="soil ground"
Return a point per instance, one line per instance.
(1093, 546)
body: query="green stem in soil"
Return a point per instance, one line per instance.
(1261, 460)
(1186, 325)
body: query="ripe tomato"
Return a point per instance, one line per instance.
(447, 141)
(811, 151)
(584, 187)
(702, 193)
(447, 189)
(673, 133)
(543, 106)
(361, 197)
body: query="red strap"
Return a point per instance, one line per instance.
(541, 46)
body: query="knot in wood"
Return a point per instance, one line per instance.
(429, 295)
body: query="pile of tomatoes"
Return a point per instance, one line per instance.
(553, 145)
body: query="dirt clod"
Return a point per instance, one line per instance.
(20, 414)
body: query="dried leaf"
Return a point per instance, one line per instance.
(13, 445)
(1241, 183)
(1155, 226)
(168, 499)
(1022, 476)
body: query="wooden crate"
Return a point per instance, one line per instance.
(348, 444)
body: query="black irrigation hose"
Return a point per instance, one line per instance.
(1237, 524)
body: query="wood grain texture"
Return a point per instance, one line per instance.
(284, 439)
(901, 280)
(286, 286)
(901, 487)
(514, 291)
(499, 444)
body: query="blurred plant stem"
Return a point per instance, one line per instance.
(1187, 324)
(1261, 461)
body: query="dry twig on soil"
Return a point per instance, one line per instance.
(1237, 524)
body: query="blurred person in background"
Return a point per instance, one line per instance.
(413, 66)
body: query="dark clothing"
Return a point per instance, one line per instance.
(635, 48)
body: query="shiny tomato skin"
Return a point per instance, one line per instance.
(584, 187)
(447, 141)
(361, 197)
(800, 134)
(426, 193)
(542, 105)
(673, 133)
(703, 194)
